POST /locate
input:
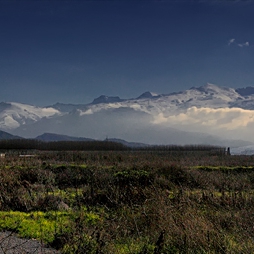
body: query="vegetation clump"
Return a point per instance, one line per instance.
(130, 201)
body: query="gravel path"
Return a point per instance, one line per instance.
(11, 244)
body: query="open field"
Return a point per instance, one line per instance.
(130, 201)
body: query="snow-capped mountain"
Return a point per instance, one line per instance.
(209, 95)
(14, 115)
(203, 114)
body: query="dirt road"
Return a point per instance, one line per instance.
(11, 244)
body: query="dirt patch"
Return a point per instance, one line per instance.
(12, 244)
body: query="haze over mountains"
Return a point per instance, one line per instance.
(200, 115)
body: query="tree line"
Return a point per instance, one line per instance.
(33, 144)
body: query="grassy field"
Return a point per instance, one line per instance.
(130, 201)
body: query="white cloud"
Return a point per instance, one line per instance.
(87, 112)
(234, 123)
(220, 118)
(231, 41)
(246, 44)
(230, 123)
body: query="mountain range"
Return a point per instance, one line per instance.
(208, 114)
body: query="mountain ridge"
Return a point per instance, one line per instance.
(54, 137)
(178, 117)
(5, 136)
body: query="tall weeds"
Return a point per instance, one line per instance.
(137, 202)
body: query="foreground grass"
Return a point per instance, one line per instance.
(131, 202)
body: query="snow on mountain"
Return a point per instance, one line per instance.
(205, 96)
(209, 95)
(13, 115)
(178, 117)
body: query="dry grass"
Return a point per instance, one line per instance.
(146, 202)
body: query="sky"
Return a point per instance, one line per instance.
(74, 51)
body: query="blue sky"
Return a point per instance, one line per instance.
(74, 51)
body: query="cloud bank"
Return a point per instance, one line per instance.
(231, 123)
(190, 126)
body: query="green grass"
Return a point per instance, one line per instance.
(43, 225)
